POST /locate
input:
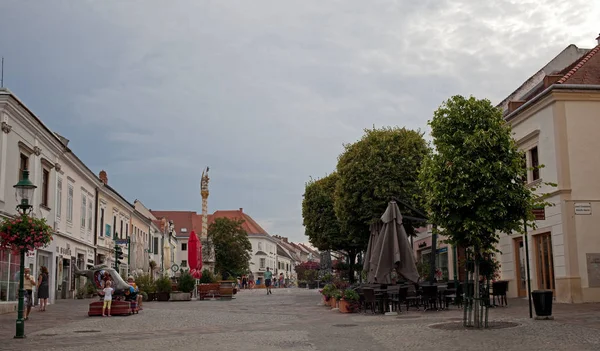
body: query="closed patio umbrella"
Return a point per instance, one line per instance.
(375, 228)
(195, 255)
(392, 249)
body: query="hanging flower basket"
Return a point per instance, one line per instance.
(24, 234)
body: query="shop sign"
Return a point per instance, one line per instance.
(583, 208)
(65, 251)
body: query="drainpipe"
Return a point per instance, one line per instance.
(96, 227)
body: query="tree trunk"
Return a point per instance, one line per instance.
(477, 293)
(351, 261)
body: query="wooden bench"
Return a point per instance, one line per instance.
(209, 291)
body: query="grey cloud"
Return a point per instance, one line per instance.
(265, 92)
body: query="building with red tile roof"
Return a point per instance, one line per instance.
(555, 118)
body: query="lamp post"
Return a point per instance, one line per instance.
(24, 189)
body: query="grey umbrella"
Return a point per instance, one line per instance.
(392, 249)
(367, 267)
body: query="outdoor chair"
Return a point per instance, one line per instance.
(412, 296)
(499, 290)
(430, 297)
(369, 299)
(393, 293)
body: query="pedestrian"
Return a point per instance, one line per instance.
(281, 281)
(28, 285)
(244, 282)
(138, 297)
(108, 290)
(42, 288)
(268, 277)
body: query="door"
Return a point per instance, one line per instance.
(520, 267)
(544, 261)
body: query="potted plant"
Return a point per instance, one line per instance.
(349, 302)
(336, 296)
(152, 265)
(90, 290)
(327, 292)
(80, 292)
(185, 286)
(146, 285)
(163, 288)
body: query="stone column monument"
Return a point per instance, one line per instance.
(208, 251)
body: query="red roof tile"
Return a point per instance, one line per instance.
(181, 219)
(585, 70)
(249, 225)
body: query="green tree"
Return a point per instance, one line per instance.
(473, 183)
(384, 163)
(231, 244)
(320, 223)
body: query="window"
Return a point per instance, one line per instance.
(23, 165)
(70, 203)
(45, 186)
(58, 197)
(259, 246)
(101, 222)
(114, 225)
(262, 263)
(183, 263)
(155, 246)
(183, 247)
(126, 230)
(535, 163)
(90, 208)
(83, 210)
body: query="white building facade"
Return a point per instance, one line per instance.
(25, 143)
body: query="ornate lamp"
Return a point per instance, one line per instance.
(24, 189)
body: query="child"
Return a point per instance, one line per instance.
(107, 298)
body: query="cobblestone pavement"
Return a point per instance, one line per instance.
(291, 319)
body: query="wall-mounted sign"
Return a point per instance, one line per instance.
(583, 208)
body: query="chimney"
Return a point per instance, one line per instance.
(241, 209)
(515, 104)
(285, 240)
(598, 39)
(103, 177)
(551, 79)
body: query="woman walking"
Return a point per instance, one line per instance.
(42, 288)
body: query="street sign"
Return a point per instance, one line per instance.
(121, 241)
(583, 208)
(539, 213)
(174, 268)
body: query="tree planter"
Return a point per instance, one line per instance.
(208, 290)
(332, 302)
(151, 296)
(226, 289)
(180, 296)
(163, 296)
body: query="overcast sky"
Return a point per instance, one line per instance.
(263, 92)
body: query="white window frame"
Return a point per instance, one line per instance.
(262, 263)
(58, 198)
(83, 213)
(90, 209)
(70, 194)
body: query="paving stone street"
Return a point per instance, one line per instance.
(291, 319)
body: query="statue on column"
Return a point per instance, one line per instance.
(207, 257)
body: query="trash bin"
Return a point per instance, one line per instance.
(542, 301)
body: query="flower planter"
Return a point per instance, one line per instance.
(346, 306)
(332, 302)
(151, 296)
(180, 296)
(163, 296)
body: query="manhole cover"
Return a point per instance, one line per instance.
(408, 316)
(345, 325)
(47, 334)
(87, 331)
(459, 326)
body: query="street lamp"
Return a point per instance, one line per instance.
(24, 189)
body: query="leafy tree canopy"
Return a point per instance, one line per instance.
(384, 163)
(321, 224)
(231, 244)
(473, 184)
